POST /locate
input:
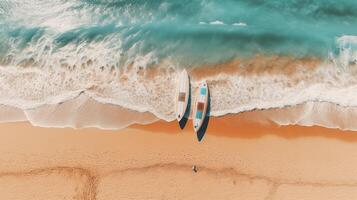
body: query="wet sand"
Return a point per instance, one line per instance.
(237, 159)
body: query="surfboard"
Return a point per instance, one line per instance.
(200, 108)
(182, 94)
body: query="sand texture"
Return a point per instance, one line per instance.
(154, 162)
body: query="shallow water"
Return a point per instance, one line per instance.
(254, 54)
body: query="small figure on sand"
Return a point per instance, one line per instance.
(194, 168)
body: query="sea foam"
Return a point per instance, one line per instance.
(54, 53)
(146, 89)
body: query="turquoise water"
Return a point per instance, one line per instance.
(189, 32)
(52, 51)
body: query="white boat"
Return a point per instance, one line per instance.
(200, 109)
(182, 94)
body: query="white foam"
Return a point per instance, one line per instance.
(347, 39)
(83, 112)
(347, 54)
(323, 114)
(217, 22)
(99, 70)
(58, 15)
(239, 24)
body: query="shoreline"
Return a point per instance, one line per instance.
(242, 126)
(239, 85)
(85, 112)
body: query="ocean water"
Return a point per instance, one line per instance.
(128, 53)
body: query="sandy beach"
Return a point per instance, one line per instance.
(90, 91)
(237, 159)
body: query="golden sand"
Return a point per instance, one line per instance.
(237, 159)
(259, 65)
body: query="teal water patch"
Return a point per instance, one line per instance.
(189, 32)
(24, 36)
(85, 35)
(199, 115)
(203, 91)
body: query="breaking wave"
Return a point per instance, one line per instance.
(56, 56)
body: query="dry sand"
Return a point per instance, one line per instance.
(237, 159)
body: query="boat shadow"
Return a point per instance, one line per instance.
(184, 119)
(202, 131)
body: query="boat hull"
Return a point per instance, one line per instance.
(182, 94)
(200, 107)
